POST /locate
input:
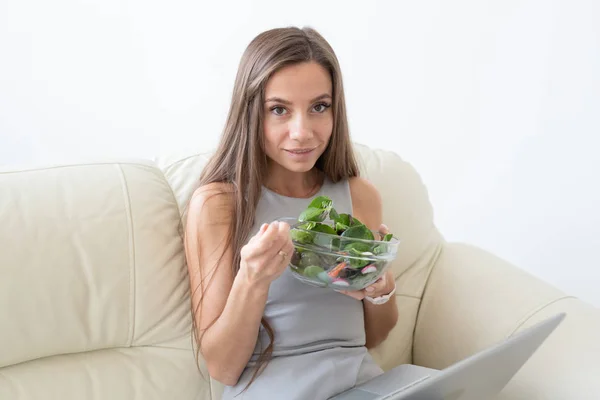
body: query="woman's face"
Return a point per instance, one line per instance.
(298, 118)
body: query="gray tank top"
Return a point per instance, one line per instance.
(319, 333)
(307, 318)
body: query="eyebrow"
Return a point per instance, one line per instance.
(286, 102)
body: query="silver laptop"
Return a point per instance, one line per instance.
(478, 377)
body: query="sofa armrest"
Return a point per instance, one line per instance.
(474, 299)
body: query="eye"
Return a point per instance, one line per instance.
(278, 110)
(321, 107)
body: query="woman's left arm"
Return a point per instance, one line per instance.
(379, 318)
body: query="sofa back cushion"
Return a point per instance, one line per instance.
(94, 296)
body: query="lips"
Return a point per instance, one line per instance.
(300, 151)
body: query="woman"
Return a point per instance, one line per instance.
(261, 332)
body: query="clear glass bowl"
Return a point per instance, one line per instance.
(338, 262)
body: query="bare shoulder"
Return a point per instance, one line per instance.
(219, 191)
(366, 201)
(364, 191)
(211, 204)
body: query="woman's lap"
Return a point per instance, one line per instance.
(318, 375)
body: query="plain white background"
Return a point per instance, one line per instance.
(496, 103)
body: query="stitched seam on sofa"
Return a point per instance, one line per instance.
(434, 260)
(127, 198)
(91, 351)
(536, 311)
(434, 237)
(438, 240)
(409, 296)
(212, 388)
(408, 348)
(180, 219)
(146, 164)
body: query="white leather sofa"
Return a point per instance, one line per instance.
(94, 296)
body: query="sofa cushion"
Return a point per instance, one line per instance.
(93, 283)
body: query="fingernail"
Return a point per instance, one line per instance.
(370, 289)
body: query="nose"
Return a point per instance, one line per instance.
(300, 128)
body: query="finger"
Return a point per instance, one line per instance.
(260, 232)
(265, 242)
(384, 229)
(377, 286)
(283, 236)
(284, 254)
(284, 225)
(271, 228)
(288, 248)
(274, 239)
(283, 257)
(263, 228)
(284, 231)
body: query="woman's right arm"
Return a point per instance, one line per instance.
(234, 304)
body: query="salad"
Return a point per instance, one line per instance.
(337, 250)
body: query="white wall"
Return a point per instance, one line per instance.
(496, 103)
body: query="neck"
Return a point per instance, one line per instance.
(294, 184)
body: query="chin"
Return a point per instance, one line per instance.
(304, 167)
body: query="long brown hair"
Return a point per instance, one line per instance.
(240, 158)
